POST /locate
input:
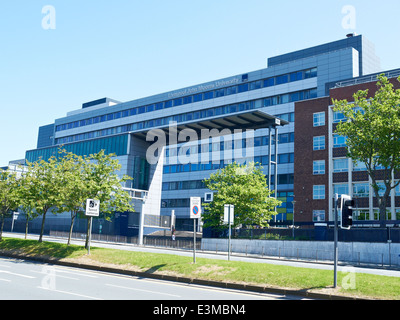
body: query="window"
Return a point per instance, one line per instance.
(340, 165)
(319, 192)
(311, 73)
(361, 190)
(269, 82)
(318, 215)
(339, 141)
(286, 158)
(243, 87)
(319, 119)
(319, 167)
(338, 117)
(382, 188)
(319, 143)
(198, 97)
(178, 102)
(296, 76)
(255, 85)
(282, 79)
(187, 100)
(219, 93)
(208, 95)
(359, 166)
(397, 190)
(231, 90)
(340, 189)
(142, 110)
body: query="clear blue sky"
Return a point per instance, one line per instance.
(131, 49)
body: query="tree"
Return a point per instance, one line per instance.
(101, 182)
(72, 193)
(25, 201)
(246, 188)
(373, 136)
(8, 198)
(43, 188)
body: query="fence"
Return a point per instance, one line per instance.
(150, 241)
(381, 254)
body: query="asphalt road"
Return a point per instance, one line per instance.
(26, 280)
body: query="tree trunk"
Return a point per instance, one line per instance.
(26, 227)
(42, 230)
(73, 216)
(1, 227)
(87, 232)
(382, 214)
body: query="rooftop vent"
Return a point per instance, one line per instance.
(351, 35)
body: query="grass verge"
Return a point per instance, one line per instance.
(365, 285)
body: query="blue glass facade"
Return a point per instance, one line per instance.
(113, 145)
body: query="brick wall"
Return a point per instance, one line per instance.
(304, 180)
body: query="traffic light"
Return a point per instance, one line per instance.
(346, 206)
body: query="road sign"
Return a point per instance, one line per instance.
(195, 208)
(92, 208)
(229, 214)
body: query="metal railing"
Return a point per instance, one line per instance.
(366, 79)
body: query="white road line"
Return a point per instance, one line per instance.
(18, 274)
(141, 290)
(71, 293)
(5, 280)
(56, 275)
(80, 273)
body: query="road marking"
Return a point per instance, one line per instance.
(5, 280)
(141, 290)
(71, 293)
(80, 273)
(17, 274)
(57, 275)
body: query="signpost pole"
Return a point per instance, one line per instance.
(195, 213)
(335, 258)
(229, 216)
(92, 210)
(229, 234)
(194, 241)
(90, 234)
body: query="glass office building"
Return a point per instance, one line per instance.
(115, 126)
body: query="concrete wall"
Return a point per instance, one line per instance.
(349, 252)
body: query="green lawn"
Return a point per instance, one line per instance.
(369, 286)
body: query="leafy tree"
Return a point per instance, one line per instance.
(101, 182)
(43, 188)
(246, 188)
(8, 197)
(373, 136)
(72, 191)
(26, 203)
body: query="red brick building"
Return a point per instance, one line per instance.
(321, 167)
